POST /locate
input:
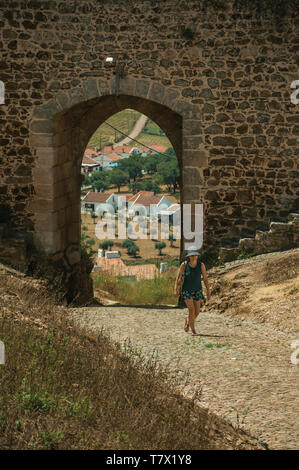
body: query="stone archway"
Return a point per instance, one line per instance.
(59, 133)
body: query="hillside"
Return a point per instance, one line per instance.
(62, 387)
(124, 121)
(265, 288)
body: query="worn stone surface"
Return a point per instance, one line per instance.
(280, 236)
(242, 366)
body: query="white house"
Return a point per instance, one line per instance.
(147, 199)
(96, 201)
(89, 165)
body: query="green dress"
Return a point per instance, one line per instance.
(192, 287)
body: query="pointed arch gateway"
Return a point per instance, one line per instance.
(59, 133)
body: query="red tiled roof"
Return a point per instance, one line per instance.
(107, 148)
(113, 156)
(147, 200)
(144, 193)
(89, 161)
(96, 197)
(90, 152)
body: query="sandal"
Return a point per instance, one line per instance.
(186, 327)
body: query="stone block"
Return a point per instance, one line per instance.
(228, 254)
(192, 127)
(91, 89)
(225, 141)
(63, 99)
(42, 126)
(40, 205)
(247, 244)
(46, 191)
(127, 86)
(76, 96)
(280, 227)
(197, 158)
(46, 156)
(142, 88)
(50, 220)
(73, 233)
(191, 176)
(104, 87)
(50, 240)
(192, 142)
(44, 175)
(156, 92)
(46, 111)
(171, 95)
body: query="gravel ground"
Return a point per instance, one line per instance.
(243, 367)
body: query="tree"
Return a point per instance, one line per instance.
(127, 243)
(150, 186)
(133, 165)
(118, 177)
(159, 246)
(86, 179)
(106, 244)
(136, 186)
(100, 185)
(90, 242)
(133, 250)
(170, 174)
(150, 163)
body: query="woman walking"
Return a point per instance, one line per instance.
(192, 293)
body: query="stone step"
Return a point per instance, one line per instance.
(293, 216)
(279, 227)
(279, 236)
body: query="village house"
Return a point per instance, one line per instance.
(108, 160)
(89, 165)
(96, 201)
(147, 199)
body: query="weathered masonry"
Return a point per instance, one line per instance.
(215, 76)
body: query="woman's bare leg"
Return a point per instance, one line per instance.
(196, 307)
(191, 318)
(196, 304)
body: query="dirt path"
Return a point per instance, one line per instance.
(137, 129)
(243, 366)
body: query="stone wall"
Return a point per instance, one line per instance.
(216, 76)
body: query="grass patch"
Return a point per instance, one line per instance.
(201, 344)
(144, 292)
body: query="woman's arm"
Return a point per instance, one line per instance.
(205, 279)
(177, 278)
